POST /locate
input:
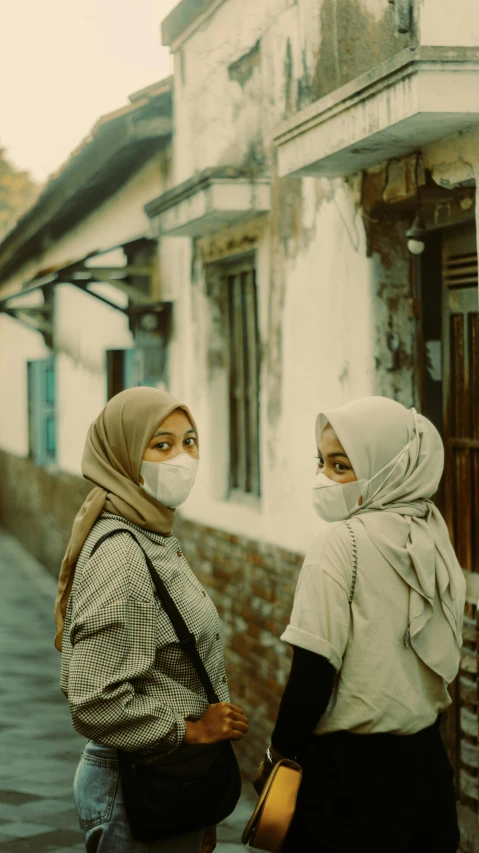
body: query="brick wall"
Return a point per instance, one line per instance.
(38, 506)
(468, 696)
(252, 584)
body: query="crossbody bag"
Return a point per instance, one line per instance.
(269, 824)
(197, 785)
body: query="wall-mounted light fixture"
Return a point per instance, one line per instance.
(416, 235)
(149, 322)
(154, 318)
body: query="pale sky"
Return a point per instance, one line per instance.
(64, 63)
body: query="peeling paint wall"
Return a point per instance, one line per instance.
(454, 162)
(338, 311)
(394, 311)
(354, 37)
(252, 64)
(335, 308)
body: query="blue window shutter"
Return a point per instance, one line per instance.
(35, 376)
(127, 368)
(144, 365)
(131, 372)
(42, 394)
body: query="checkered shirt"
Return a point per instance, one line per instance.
(126, 677)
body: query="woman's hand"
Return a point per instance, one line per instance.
(209, 839)
(222, 721)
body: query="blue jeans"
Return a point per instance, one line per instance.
(101, 810)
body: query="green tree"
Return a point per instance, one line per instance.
(18, 191)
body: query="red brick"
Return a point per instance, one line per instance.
(263, 591)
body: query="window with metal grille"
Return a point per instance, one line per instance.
(243, 380)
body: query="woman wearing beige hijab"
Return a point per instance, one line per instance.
(128, 682)
(376, 637)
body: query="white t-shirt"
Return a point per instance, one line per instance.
(381, 684)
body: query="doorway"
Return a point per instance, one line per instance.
(450, 398)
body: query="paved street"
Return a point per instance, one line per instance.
(39, 749)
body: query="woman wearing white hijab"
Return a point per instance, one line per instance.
(376, 636)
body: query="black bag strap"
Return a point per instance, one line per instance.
(186, 638)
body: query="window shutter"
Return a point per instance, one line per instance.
(142, 365)
(42, 406)
(244, 381)
(131, 369)
(122, 368)
(459, 258)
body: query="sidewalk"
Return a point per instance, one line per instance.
(38, 747)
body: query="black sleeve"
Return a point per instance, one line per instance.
(304, 701)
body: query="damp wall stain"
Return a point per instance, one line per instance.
(288, 80)
(353, 41)
(243, 68)
(285, 231)
(394, 310)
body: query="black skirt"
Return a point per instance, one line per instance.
(380, 793)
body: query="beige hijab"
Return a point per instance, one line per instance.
(114, 449)
(402, 521)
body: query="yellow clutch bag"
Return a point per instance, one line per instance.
(270, 821)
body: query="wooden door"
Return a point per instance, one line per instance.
(461, 482)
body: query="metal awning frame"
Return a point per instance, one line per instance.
(82, 276)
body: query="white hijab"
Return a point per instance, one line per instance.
(402, 521)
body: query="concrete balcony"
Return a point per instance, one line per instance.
(417, 97)
(203, 205)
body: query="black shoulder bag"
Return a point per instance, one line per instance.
(195, 786)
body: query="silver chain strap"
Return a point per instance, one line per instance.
(354, 561)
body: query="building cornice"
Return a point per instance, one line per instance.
(185, 19)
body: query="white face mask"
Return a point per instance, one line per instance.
(170, 483)
(337, 504)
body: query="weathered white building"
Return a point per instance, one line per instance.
(308, 134)
(76, 272)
